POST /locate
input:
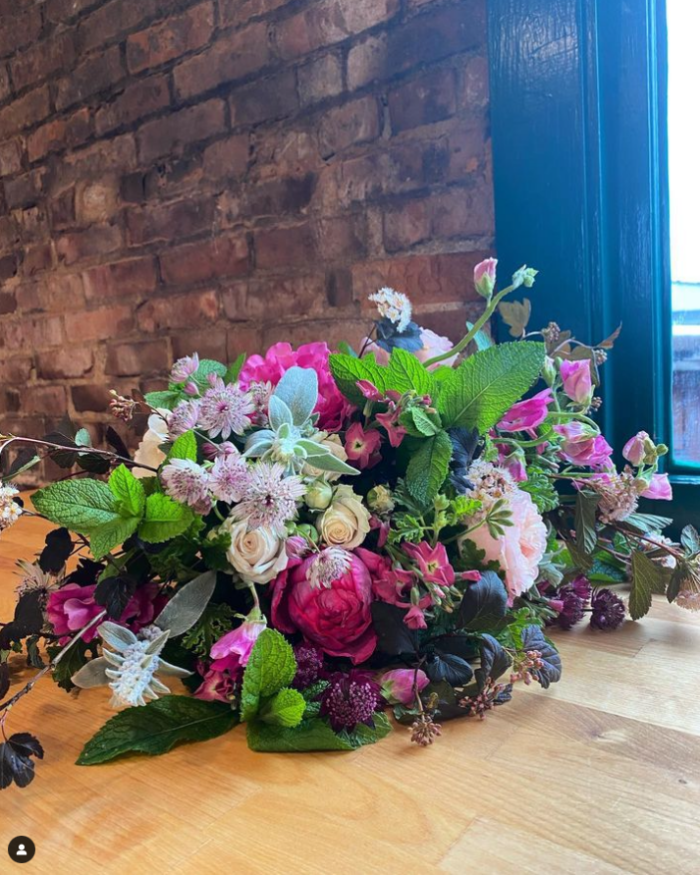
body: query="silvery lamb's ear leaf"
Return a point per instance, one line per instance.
(279, 413)
(157, 644)
(187, 605)
(92, 674)
(258, 443)
(298, 388)
(173, 670)
(117, 637)
(322, 458)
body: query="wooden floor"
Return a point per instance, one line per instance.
(601, 774)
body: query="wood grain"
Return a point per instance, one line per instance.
(600, 774)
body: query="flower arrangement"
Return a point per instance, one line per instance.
(305, 540)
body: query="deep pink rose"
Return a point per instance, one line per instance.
(332, 407)
(485, 277)
(660, 488)
(527, 414)
(583, 447)
(337, 619)
(576, 377)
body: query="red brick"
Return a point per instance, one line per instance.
(134, 359)
(342, 238)
(23, 28)
(61, 363)
(241, 11)
(406, 226)
(55, 293)
(328, 22)
(64, 10)
(181, 219)
(48, 400)
(16, 369)
(266, 300)
(333, 332)
(136, 276)
(114, 155)
(197, 262)
(60, 134)
(112, 20)
(320, 78)
(164, 136)
(10, 157)
(173, 38)
(36, 259)
(226, 158)
(350, 124)
(5, 86)
(276, 197)
(285, 151)
(284, 247)
(179, 311)
(8, 303)
(232, 57)
(138, 100)
(97, 240)
(353, 181)
(33, 333)
(265, 100)
(25, 111)
(43, 59)
(9, 233)
(243, 337)
(462, 212)
(99, 324)
(62, 209)
(25, 190)
(422, 101)
(94, 75)
(8, 267)
(208, 342)
(93, 397)
(367, 61)
(96, 201)
(475, 84)
(450, 322)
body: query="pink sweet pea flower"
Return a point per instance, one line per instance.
(432, 561)
(485, 277)
(582, 446)
(635, 449)
(527, 414)
(660, 488)
(362, 446)
(369, 390)
(398, 685)
(232, 651)
(576, 377)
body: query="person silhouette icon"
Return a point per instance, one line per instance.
(21, 851)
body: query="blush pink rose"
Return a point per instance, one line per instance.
(337, 618)
(332, 407)
(520, 549)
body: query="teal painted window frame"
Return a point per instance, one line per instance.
(578, 125)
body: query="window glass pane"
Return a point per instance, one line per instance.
(683, 18)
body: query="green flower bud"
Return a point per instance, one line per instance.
(319, 495)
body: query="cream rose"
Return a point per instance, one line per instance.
(258, 555)
(346, 522)
(149, 451)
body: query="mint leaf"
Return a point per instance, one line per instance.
(428, 467)
(347, 370)
(164, 519)
(185, 447)
(128, 492)
(206, 367)
(285, 708)
(107, 537)
(157, 727)
(271, 666)
(418, 423)
(486, 385)
(234, 369)
(406, 373)
(166, 399)
(79, 505)
(314, 734)
(647, 578)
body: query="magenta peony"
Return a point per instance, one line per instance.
(336, 618)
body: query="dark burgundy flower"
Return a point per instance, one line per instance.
(607, 610)
(349, 699)
(581, 585)
(569, 605)
(309, 665)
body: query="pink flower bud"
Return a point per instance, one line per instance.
(397, 685)
(635, 450)
(485, 277)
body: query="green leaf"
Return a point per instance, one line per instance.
(690, 539)
(647, 523)
(206, 367)
(347, 370)
(647, 578)
(79, 505)
(128, 492)
(405, 373)
(486, 385)
(164, 519)
(107, 537)
(285, 708)
(428, 467)
(234, 369)
(542, 490)
(271, 667)
(157, 727)
(314, 734)
(185, 447)
(584, 519)
(187, 605)
(418, 423)
(166, 399)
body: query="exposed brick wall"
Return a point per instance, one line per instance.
(181, 175)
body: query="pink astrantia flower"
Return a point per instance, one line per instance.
(187, 482)
(362, 446)
(183, 418)
(228, 477)
(400, 685)
(225, 409)
(184, 368)
(635, 449)
(576, 377)
(432, 562)
(527, 414)
(485, 277)
(660, 488)
(582, 446)
(269, 497)
(331, 407)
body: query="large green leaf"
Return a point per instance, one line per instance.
(314, 734)
(584, 518)
(406, 373)
(107, 537)
(79, 505)
(285, 708)
(427, 470)
(164, 519)
(347, 370)
(185, 447)
(157, 727)
(271, 667)
(487, 384)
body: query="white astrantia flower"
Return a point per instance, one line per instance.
(10, 511)
(394, 306)
(328, 566)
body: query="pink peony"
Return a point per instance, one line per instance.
(362, 446)
(432, 562)
(337, 619)
(576, 377)
(398, 685)
(485, 277)
(660, 488)
(520, 549)
(582, 446)
(332, 407)
(527, 414)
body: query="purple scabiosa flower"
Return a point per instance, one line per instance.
(228, 477)
(184, 368)
(225, 409)
(350, 698)
(183, 418)
(607, 610)
(269, 498)
(309, 665)
(188, 483)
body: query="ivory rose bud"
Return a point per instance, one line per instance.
(485, 277)
(346, 522)
(258, 554)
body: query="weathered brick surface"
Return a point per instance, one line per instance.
(220, 175)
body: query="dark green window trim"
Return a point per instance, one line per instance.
(578, 121)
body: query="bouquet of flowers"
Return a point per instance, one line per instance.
(305, 540)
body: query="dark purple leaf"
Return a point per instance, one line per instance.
(484, 603)
(450, 668)
(16, 763)
(57, 550)
(494, 661)
(115, 441)
(393, 635)
(113, 593)
(86, 573)
(550, 673)
(4, 680)
(28, 620)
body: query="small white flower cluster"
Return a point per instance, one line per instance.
(10, 511)
(394, 306)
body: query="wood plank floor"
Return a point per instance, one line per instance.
(601, 774)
